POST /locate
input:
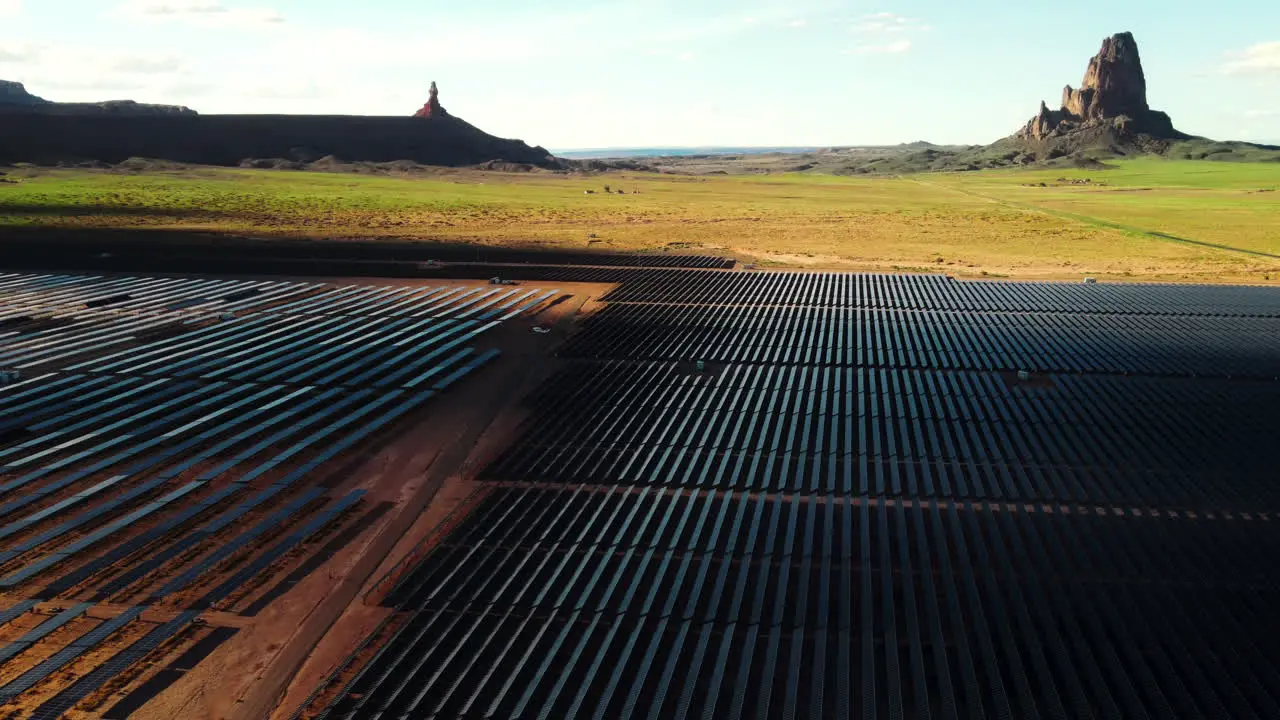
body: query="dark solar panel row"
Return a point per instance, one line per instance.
(461, 372)
(16, 611)
(389, 301)
(161, 681)
(119, 390)
(131, 293)
(58, 705)
(734, 606)
(150, 462)
(133, 403)
(173, 411)
(937, 292)
(1135, 344)
(1117, 565)
(152, 354)
(122, 660)
(60, 659)
(204, 440)
(1149, 442)
(37, 387)
(71, 391)
(556, 548)
(349, 351)
(42, 630)
(43, 563)
(242, 540)
(318, 558)
(278, 551)
(159, 558)
(65, 338)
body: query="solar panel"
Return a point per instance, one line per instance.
(58, 705)
(234, 546)
(279, 550)
(44, 563)
(45, 628)
(16, 611)
(458, 374)
(87, 641)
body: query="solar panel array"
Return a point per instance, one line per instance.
(165, 439)
(856, 507)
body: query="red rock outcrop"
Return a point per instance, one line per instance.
(1113, 94)
(432, 109)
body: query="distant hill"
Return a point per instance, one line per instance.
(15, 95)
(1106, 117)
(636, 152)
(14, 98)
(35, 130)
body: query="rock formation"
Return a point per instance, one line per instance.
(13, 93)
(45, 133)
(1112, 96)
(14, 98)
(432, 109)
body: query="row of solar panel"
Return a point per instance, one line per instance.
(38, 338)
(555, 547)
(554, 606)
(221, 554)
(23, 294)
(85, 686)
(1144, 442)
(936, 292)
(89, 683)
(1176, 345)
(340, 350)
(65, 338)
(458, 302)
(213, 444)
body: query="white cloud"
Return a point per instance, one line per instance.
(204, 13)
(146, 64)
(75, 73)
(1260, 58)
(18, 53)
(1258, 114)
(797, 23)
(10, 8)
(887, 23)
(897, 47)
(886, 33)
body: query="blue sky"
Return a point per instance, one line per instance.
(612, 73)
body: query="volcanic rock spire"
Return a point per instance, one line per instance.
(1113, 92)
(432, 109)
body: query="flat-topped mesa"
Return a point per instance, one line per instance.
(1113, 92)
(14, 98)
(433, 108)
(13, 93)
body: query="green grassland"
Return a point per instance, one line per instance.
(1148, 219)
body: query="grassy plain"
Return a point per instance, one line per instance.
(1150, 219)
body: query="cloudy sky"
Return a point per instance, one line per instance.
(612, 73)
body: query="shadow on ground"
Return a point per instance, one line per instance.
(65, 211)
(144, 250)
